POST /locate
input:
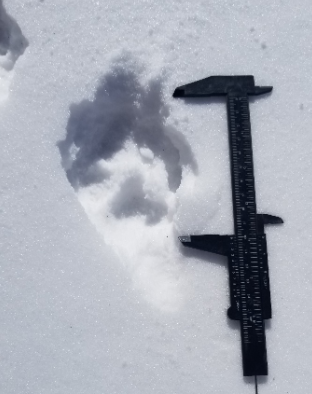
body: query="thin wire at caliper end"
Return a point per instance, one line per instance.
(256, 384)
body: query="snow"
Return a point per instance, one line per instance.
(102, 170)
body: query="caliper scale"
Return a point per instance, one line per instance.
(250, 300)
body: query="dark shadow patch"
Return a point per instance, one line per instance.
(132, 201)
(12, 40)
(233, 324)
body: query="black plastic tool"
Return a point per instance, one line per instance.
(247, 248)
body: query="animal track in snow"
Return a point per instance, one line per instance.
(126, 164)
(12, 46)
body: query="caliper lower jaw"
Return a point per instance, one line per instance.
(224, 245)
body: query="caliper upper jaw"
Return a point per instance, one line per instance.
(221, 86)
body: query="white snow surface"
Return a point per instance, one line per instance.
(102, 170)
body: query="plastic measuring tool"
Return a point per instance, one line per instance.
(250, 300)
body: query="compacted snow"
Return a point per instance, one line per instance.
(102, 170)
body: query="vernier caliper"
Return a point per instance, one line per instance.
(250, 300)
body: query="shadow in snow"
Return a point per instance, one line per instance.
(131, 201)
(123, 109)
(12, 41)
